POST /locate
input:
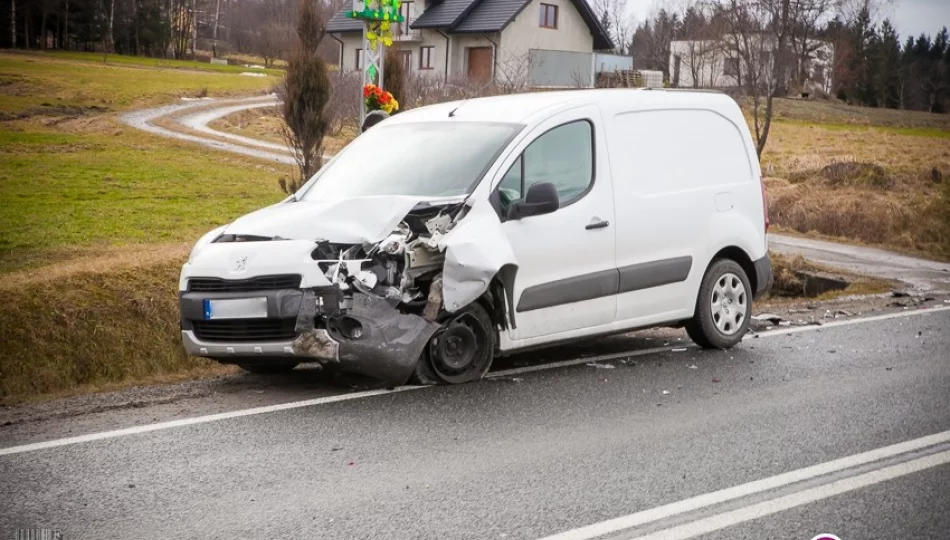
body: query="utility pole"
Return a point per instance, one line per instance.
(372, 13)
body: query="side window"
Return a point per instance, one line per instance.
(563, 156)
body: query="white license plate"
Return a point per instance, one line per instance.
(236, 308)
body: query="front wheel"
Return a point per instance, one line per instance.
(461, 351)
(723, 307)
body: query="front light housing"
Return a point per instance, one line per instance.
(205, 240)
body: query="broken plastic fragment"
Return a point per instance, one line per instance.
(767, 317)
(601, 366)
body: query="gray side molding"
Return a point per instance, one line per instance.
(654, 274)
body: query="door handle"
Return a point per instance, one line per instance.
(596, 223)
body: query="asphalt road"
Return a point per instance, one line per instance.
(532, 454)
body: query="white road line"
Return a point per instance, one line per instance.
(638, 519)
(358, 395)
(806, 496)
(199, 420)
(770, 333)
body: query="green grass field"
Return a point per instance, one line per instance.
(67, 190)
(58, 83)
(96, 218)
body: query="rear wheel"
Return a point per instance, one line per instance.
(461, 351)
(270, 367)
(723, 307)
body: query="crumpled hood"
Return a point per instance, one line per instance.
(344, 221)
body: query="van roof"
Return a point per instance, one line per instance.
(523, 108)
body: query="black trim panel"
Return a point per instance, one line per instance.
(763, 276)
(605, 283)
(654, 274)
(570, 290)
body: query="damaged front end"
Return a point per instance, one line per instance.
(374, 306)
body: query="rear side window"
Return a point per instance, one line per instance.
(653, 152)
(563, 156)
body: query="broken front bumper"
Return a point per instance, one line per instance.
(368, 336)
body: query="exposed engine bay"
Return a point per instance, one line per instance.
(394, 274)
(404, 269)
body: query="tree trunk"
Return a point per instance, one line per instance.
(66, 27)
(26, 27)
(43, 11)
(136, 27)
(13, 23)
(214, 32)
(110, 39)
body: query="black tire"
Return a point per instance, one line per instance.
(270, 367)
(706, 327)
(461, 351)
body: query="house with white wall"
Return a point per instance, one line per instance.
(550, 43)
(715, 64)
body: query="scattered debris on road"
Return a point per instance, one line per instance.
(601, 366)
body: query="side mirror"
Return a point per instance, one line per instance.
(541, 199)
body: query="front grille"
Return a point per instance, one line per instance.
(245, 330)
(262, 283)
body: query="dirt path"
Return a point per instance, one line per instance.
(209, 110)
(918, 274)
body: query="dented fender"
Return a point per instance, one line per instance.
(476, 250)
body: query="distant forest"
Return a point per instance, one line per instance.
(874, 65)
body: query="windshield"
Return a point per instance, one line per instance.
(437, 159)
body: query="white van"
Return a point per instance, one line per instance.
(447, 235)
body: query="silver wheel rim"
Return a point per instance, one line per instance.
(729, 304)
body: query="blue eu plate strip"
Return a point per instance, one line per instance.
(207, 306)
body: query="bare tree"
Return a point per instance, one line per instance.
(614, 16)
(512, 75)
(756, 34)
(273, 41)
(806, 15)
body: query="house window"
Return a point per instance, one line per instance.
(563, 156)
(731, 67)
(358, 60)
(406, 61)
(548, 16)
(402, 29)
(426, 60)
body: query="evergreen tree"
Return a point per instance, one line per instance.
(888, 60)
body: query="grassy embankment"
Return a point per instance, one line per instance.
(874, 176)
(96, 218)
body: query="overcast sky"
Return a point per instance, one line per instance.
(910, 17)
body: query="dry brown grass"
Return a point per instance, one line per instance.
(865, 184)
(264, 124)
(94, 321)
(789, 282)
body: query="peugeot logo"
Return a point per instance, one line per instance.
(240, 264)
